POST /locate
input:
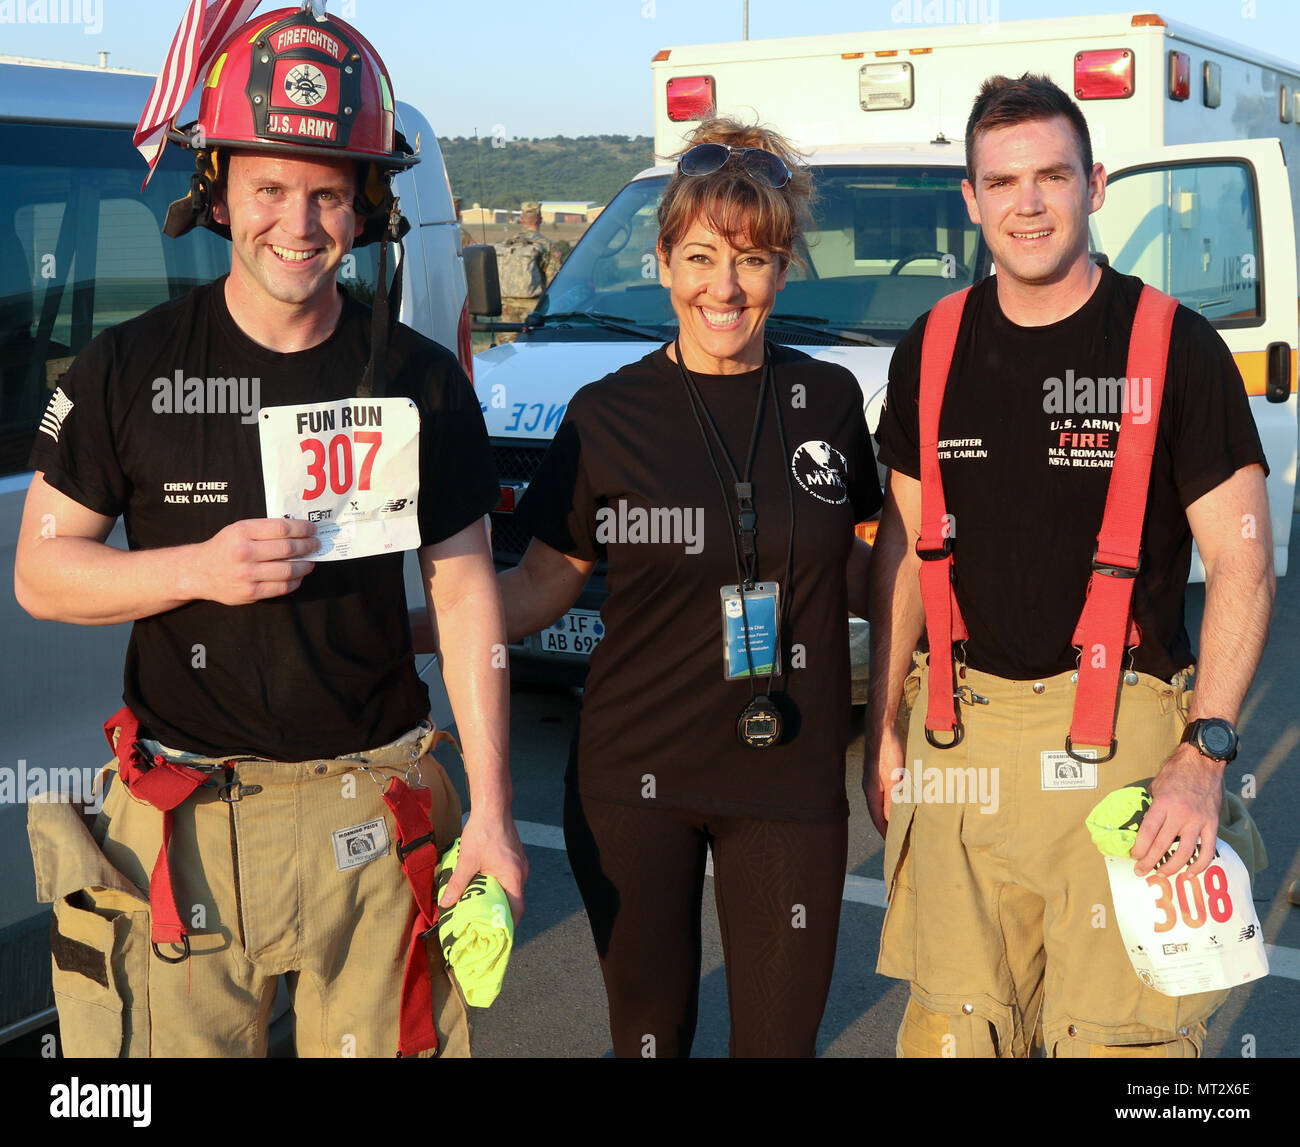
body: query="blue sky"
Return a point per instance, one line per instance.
(573, 67)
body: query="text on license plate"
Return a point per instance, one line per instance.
(578, 632)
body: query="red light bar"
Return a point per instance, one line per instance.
(1103, 74)
(464, 343)
(1180, 75)
(690, 98)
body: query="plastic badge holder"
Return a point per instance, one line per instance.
(1189, 934)
(762, 608)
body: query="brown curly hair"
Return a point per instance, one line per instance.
(732, 203)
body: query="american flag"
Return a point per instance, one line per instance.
(204, 29)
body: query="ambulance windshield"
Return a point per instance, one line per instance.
(884, 245)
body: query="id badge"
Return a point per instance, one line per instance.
(761, 609)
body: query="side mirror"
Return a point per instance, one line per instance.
(481, 279)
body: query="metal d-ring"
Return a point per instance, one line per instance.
(185, 953)
(1069, 748)
(958, 734)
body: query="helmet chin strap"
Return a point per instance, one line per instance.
(385, 311)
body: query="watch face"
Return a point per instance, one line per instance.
(1217, 738)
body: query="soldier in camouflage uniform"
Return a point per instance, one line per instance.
(526, 263)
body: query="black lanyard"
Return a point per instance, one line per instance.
(745, 530)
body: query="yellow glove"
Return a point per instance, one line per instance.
(476, 933)
(1113, 824)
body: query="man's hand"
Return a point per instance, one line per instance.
(254, 559)
(64, 570)
(897, 619)
(1187, 793)
(469, 625)
(489, 845)
(881, 774)
(1186, 796)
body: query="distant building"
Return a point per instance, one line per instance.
(477, 214)
(568, 211)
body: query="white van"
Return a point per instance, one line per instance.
(81, 248)
(1201, 202)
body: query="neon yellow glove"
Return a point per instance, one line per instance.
(1113, 824)
(476, 933)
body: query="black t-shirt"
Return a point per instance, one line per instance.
(656, 703)
(319, 672)
(1026, 463)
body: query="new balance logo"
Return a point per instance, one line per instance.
(59, 408)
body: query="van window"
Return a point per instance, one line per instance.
(1192, 231)
(883, 246)
(82, 249)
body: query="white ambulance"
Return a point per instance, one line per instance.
(1195, 133)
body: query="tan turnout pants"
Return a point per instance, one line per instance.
(1002, 919)
(298, 877)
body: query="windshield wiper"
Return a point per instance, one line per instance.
(812, 324)
(609, 322)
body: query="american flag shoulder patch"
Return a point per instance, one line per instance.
(59, 408)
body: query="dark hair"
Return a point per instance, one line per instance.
(1003, 101)
(731, 202)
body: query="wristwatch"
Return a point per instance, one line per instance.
(1213, 738)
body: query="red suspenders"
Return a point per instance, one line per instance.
(943, 620)
(166, 785)
(418, 852)
(1106, 625)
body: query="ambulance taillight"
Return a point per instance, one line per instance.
(691, 98)
(1180, 75)
(1103, 74)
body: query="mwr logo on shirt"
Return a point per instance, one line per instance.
(59, 408)
(819, 469)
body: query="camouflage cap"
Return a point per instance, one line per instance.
(531, 207)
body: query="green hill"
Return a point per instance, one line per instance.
(506, 172)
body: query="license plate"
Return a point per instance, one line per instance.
(576, 634)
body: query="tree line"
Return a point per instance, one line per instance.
(498, 171)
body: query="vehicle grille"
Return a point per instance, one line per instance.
(515, 462)
(518, 461)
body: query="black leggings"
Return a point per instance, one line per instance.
(778, 886)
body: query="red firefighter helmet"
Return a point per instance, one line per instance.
(289, 82)
(286, 80)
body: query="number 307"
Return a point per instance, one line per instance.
(337, 460)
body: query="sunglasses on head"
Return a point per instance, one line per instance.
(706, 158)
